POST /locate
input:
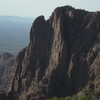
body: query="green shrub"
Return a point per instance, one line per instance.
(97, 77)
(55, 98)
(84, 97)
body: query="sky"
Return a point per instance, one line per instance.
(34, 8)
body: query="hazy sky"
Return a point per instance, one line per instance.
(34, 8)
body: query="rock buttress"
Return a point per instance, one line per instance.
(62, 56)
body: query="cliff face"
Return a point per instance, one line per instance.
(62, 56)
(7, 62)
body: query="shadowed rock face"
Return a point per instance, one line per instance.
(62, 56)
(3, 95)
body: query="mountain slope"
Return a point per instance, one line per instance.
(62, 56)
(7, 62)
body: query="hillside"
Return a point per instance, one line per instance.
(7, 62)
(62, 57)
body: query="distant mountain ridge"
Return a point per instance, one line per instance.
(16, 18)
(14, 33)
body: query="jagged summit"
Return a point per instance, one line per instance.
(62, 56)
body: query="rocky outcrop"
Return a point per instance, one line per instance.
(62, 56)
(7, 62)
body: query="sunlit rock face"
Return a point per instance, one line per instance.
(62, 56)
(7, 62)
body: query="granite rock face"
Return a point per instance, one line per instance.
(7, 62)
(62, 56)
